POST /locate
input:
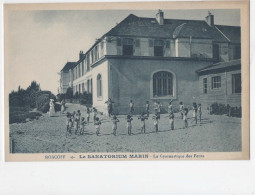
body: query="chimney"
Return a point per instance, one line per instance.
(81, 55)
(160, 17)
(210, 19)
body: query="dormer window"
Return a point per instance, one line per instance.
(158, 47)
(127, 47)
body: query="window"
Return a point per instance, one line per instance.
(137, 42)
(88, 86)
(102, 48)
(79, 88)
(92, 56)
(162, 84)
(96, 53)
(158, 47)
(99, 85)
(237, 52)
(216, 82)
(216, 52)
(82, 68)
(236, 83)
(205, 85)
(168, 44)
(118, 41)
(88, 61)
(127, 47)
(150, 43)
(83, 88)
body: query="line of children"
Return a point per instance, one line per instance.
(77, 122)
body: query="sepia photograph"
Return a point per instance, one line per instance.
(111, 84)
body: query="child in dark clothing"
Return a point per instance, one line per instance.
(115, 120)
(199, 110)
(143, 118)
(129, 125)
(94, 113)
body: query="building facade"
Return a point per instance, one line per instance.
(221, 83)
(152, 59)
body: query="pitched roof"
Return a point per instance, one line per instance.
(172, 28)
(233, 33)
(68, 66)
(221, 65)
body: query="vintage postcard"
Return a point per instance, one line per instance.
(127, 81)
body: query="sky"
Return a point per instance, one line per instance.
(41, 42)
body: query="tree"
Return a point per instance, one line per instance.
(69, 93)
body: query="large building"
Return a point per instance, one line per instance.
(152, 59)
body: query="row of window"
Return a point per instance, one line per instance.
(216, 83)
(80, 88)
(90, 58)
(128, 46)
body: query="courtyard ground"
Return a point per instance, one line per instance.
(48, 135)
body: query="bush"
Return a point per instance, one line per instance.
(69, 93)
(21, 117)
(220, 109)
(43, 100)
(57, 107)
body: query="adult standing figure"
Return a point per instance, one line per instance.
(63, 106)
(109, 103)
(52, 109)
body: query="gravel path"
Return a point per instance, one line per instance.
(48, 135)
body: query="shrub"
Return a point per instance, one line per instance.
(57, 107)
(20, 117)
(220, 109)
(69, 93)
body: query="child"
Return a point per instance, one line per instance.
(142, 118)
(82, 125)
(76, 125)
(199, 109)
(185, 113)
(155, 122)
(170, 107)
(131, 107)
(159, 109)
(78, 116)
(129, 125)
(94, 113)
(147, 108)
(195, 112)
(97, 124)
(68, 124)
(181, 109)
(114, 124)
(171, 120)
(88, 114)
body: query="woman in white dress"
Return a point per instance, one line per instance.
(52, 109)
